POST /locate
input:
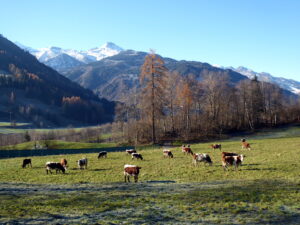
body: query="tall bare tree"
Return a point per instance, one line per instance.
(153, 82)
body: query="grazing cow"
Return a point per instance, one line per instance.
(216, 146)
(54, 166)
(186, 150)
(102, 155)
(130, 151)
(82, 163)
(131, 170)
(64, 163)
(167, 153)
(235, 161)
(198, 157)
(137, 156)
(246, 145)
(26, 162)
(229, 154)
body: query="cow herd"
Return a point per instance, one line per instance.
(227, 159)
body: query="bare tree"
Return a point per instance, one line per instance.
(153, 82)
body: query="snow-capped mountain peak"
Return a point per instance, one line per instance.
(106, 50)
(112, 46)
(287, 84)
(50, 55)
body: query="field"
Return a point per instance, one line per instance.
(266, 189)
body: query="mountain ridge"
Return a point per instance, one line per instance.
(51, 55)
(287, 84)
(34, 92)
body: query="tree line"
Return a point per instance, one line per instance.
(168, 106)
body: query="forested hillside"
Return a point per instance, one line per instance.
(118, 76)
(173, 105)
(33, 92)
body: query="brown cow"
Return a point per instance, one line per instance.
(64, 163)
(131, 170)
(246, 145)
(216, 146)
(235, 161)
(186, 150)
(228, 154)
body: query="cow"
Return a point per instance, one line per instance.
(130, 151)
(54, 166)
(131, 170)
(186, 150)
(246, 145)
(82, 163)
(216, 146)
(64, 163)
(136, 156)
(167, 153)
(228, 154)
(243, 140)
(102, 155)
(235, 161)
(26, 162)
(199, 157)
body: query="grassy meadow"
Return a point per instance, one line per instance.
(266, 189)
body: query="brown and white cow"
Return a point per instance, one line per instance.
(26, 162)
(54, 166)
(228, 154)
(64, 163)
(167, 153)
(201, 157)
(186, 150)
(136, 156)
(131, 170)
(82, 163)
(130, 151)
(216, 146)
(235, 161)
(246, 145)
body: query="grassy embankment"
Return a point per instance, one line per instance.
(265, 190)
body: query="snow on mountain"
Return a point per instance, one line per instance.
(26, 48)
(63, 62)
(52, 56)
(106, 50)
(287, 84)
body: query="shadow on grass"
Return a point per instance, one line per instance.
(270, 169)
(161, 181)
(98, 169)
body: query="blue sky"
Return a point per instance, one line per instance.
(263, 35)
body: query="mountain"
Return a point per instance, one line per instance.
(286, 84)
(52, 56)
(117, 76)
(33, 92)
(63, 62)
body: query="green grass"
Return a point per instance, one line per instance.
(5, 124)
(58, 144)
(266, 189)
